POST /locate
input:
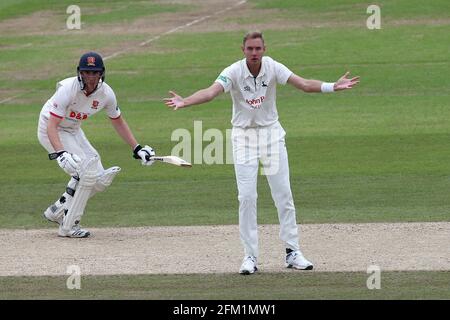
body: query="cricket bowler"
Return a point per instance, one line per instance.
(257, 136)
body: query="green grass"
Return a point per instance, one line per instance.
(12, 8)
(91, 13)
(126, 13)
(377, 153)
(392, 9)
(284, 286)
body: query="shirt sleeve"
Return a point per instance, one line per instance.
(282, 72)
(225, 79)
(60, 101)
(111, 107)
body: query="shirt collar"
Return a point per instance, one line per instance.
(249, 74)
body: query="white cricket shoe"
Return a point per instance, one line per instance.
(248, 265)
(55, 213)
(296, 260)
(74, 232)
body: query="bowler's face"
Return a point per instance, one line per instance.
(254, 50)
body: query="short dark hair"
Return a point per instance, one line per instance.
(253, 35)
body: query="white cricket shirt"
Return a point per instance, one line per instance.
(254, 98)
(72, 105)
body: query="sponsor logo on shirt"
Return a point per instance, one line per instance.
(255, 103)
(246, 88)
(94, 104)
(55, 105)
(264, 84)
(78, 115)
(223, 78)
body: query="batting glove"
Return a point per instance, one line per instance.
(69, 162)
(144, 154)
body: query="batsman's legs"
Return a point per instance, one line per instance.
(78, 144)
(104, 180)
(104, 177)
(88, 177)
(55, 212)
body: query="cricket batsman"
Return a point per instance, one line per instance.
(59, 131)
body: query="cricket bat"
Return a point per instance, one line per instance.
(173, 160)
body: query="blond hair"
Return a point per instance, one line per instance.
(253, 35)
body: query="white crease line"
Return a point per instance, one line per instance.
(9, 99)
(13, 97)
(178, 28)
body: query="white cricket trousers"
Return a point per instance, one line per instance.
(265, 144)
(75, 143)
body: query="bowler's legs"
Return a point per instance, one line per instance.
(245, 157)
(276, 166)
(246, 176)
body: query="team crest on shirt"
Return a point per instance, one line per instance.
(246, 88)
(95, 104)
(91, 61)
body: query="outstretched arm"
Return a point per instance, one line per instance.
(199, 97)
(309, 85)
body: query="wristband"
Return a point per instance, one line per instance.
(54, 155)
(136, 150)
(327, 87)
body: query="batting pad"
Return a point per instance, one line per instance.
(88, 178)
(105, 179)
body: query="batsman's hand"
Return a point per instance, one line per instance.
(144, 154)
(175, 102)
(69, 162)
(345, 83)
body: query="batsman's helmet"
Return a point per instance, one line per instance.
(90, 61)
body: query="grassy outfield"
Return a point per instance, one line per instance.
(101, 11)
(378, 153)
(285, 286)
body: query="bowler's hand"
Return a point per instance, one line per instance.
(345, 83)
(175, 101)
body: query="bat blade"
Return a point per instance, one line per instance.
(173, 160)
